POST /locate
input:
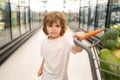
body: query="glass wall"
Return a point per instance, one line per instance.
(15, 20)
(27, 18)
(22, 20)
(36, 18)
(19, 17)
(101, 13)
(5, 36)
(73, 12)
(24, 16)
(81, 17)
(85, 15)
(115, 14)
(92, 13)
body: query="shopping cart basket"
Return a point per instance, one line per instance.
(98, 73)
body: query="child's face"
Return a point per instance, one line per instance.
(54, 30)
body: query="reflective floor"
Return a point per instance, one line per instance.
(24, 63)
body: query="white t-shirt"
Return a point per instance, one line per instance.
(56, 54)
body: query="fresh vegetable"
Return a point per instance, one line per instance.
(118, 38)
(108, 55)
(89, 34)
(111, 39)
(118, 44)
(118, 29)
(117, 53)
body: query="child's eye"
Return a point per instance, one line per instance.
(57, 25)
(50, 25)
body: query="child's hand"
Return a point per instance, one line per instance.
(39, 72)
(79, 35)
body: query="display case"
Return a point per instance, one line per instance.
(5, 36)
(27, 18)
(115, 14)
(85, 15)
(22, 20)
(15, 20)
(101, 13)
(92, 15)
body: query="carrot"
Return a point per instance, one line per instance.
(89, 34)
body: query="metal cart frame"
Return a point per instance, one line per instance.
(95, 62)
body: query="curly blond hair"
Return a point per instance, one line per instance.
(51, 17)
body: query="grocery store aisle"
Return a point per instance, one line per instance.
(24, 63)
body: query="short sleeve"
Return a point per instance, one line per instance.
(71, 44)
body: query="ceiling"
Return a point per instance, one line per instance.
(50, 5)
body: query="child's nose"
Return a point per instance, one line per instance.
(54, 28)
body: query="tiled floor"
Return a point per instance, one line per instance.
(24, 63)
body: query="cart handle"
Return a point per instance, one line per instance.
(90, 56)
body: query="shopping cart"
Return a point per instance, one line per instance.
(98, 73)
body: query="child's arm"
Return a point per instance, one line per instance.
(41, 68)
(80, 36)
(76, 49)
